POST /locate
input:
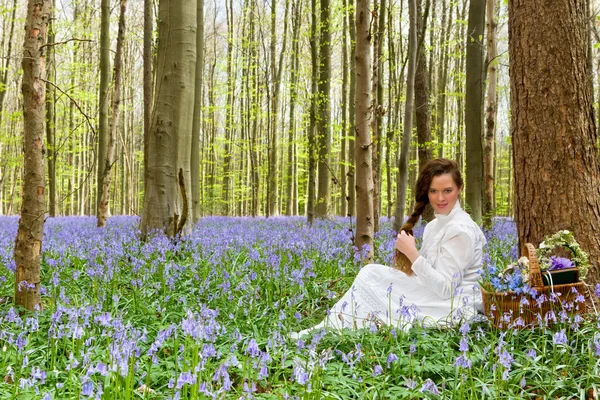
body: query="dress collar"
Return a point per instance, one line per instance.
(446, 217)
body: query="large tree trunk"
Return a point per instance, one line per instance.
(103, 127)
(197, 118)
(402, 177)
(557, 176)
(474, 108)
(170, 135)
(323, 125)
(102, 214)
(51, 124)
(442, 79)
(364, 146)
(490, 119)
(28, 244)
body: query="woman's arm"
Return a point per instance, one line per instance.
(455, 255)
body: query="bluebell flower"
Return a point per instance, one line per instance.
(560, 337)
(557, 263)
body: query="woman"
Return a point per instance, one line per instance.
(437, 284)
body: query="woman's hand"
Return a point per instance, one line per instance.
(406, 244)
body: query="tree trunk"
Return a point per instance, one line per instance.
(28, 244)
(364, 146)
(170, 138)
(324, 112)
(6, 64)
(344, 110)
(295, 63)
(377, 90)
(402, 178)
(103, 126)
(197, 116)
(440, 117)
(422, 111)
(312, 147)
(148, 78)
(276, 72)
(490, 120)
(51, 124)
(557, 176)
(474, 108)
(350, 14)
(114, 124)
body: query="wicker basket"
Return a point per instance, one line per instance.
(505, 308)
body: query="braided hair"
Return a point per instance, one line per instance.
(433, 168)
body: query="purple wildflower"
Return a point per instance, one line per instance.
(560, 337)
(557, 263)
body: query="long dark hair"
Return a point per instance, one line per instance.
(433, 168)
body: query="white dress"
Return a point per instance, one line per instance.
(443, 288)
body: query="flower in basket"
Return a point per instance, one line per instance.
(567, 240)
(514, 278)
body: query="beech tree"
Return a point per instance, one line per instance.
(28, 244)
(167, 200)
(557, 176)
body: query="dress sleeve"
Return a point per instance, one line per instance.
(455, 255)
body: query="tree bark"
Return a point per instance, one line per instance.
(148, 78)
(6, 63)
(556, 169)
(312, 146)
(422, 110)
(402, 177)
(474, 108)
(363, 144)
(50, 123)
(324, 122)
(350, 14)
(102, 213)
(295, 63)
(28, 244)
(170, 138)
(103, 123)
(197, 116)
(344, 107)
(490, 120)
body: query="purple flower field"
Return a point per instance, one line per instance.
(209, 317)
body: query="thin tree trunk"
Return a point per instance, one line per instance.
(402, 179)
(114, 125)
(295, 63)
(28, 244)
(422, 112)
(324, 112)
(344, 110)
(364, 146)
(148, 78)
(197, 116)
(312, 148)
(6, 64)
(490, 121)
(103, 123)
(350, 14)
(440, 117)
(50, 123)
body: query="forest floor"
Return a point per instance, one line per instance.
(209, 316)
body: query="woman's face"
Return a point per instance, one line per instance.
(443, 193)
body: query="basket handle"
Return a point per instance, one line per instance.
(535, 274)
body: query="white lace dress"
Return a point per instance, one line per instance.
(444, 286)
